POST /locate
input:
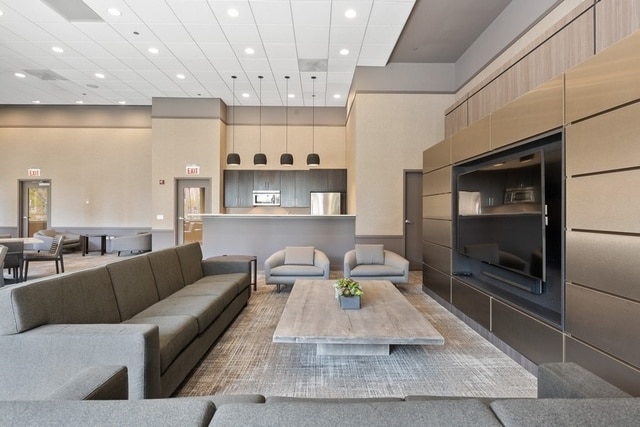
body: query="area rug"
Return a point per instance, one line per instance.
(244, 360)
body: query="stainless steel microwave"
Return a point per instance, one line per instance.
(266, 198)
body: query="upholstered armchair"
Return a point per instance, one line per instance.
(140, 242)
(373, 262)
(295, 262)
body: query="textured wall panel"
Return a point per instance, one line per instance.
(456, 119)
(602, 202)
(608, 262)
(607, 322)
(586, 152)
(437, 231)
(531, 338)
(471, 141)
(438, 257)
(615, 20)
(437, 156)
(437, 207)
(472, 302)
(437, 181)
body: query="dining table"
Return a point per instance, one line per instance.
(28, 243)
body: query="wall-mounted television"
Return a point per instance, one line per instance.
(503, 216)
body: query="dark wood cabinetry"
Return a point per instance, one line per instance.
(266, 180)
(294, 189)
(327, 180)
(238, 188)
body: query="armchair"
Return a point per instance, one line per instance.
(295, 262)
(140, 242)
(70, 241)
(373, 262)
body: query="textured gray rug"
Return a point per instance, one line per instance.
(246, 361)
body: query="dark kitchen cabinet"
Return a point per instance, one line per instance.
(328, 180)
(294, 189)
(266, 180)
(238, 189)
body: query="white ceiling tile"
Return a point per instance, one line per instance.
(98, 32)
(374, 55)
(312, 51)
(311, 13)
(378, 34)
(390, 13)
(362, 8)
(171, 33)
(206, 33)
(29, 31)
(191, 12)
(185, 50)
(272, 12)
(220, 8)
(277, 33)
(152, 11)
(280, 51)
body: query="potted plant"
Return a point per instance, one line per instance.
(348, 292)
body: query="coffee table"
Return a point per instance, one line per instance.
(313, 316)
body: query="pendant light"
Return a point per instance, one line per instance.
(260, 159)
(233, 158)
(286, 159)
(313, 159)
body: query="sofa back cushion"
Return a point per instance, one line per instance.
(83, 297)
(134, 285)
(166, 271)
(299, 255)
(190, 256)
(370, 254)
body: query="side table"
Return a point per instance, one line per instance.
(85, 243)
(251, 259)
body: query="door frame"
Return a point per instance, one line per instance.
(23, 208)
(178, 200)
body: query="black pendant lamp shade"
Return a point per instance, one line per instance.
(313, 159)
(286, 159)
(233, 158)
(260, 159)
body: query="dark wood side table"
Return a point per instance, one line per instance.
(251, 259)
(85, 243)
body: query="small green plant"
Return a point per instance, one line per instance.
(347, 288)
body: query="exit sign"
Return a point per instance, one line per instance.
(193, 169)
(33, 172)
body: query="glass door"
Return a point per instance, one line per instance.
(34, 211)
(192, 199)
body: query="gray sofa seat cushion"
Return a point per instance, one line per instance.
(204, 308)
(568, 412)
(165, 266)
(82, 297)
(280, 399)
(296, 270)
(176, 333)
(134, 285)
(431, 413)
(570, 380)
(123, 413)
(225, 291)
(376, 270)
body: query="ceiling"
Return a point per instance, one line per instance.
(105, 58)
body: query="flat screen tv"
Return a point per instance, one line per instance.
(502, 213)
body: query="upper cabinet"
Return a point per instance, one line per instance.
(328, 180)
(471, 141)
(238, 188)
(266, 180)
(294, 189)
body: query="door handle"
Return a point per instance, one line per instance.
(406, 221)
(181, 218)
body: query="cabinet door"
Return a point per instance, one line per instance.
(302, 189)
(238, 189)
(337, 180)
(245, 189)
(266, 180)
(288, 189)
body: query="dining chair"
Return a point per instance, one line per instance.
(54, 254)
(14, 259)
(3, 254)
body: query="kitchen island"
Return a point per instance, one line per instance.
(262, 235)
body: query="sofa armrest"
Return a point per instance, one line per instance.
(95, 383)
(321, 260)
(38, 361)
(569, 380)
(349, 262)
(274, 260)
(212, 268)
(395, 260)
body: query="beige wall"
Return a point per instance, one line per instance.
(99, 172)
(390, 131)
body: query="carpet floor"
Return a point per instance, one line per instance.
(244, 360)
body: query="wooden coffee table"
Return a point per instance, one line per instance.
(313, 316)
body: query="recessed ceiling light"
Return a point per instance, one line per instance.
(350, 13)
(233, 12)
(35, 101)
(113, 11)
(122, 102)
(181, 76)
(99, 75)
(337, 96)
(1, 13)
(292, 95)
(57, 49)
(245, 95)
(79, 102)
(20, 75)
(344, 51)
(249, 51)
(153, 50)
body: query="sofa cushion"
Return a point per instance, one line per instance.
(568, 412)
(176, 333)
(134, 285)
(225, 291)
(299, 255)
(190, 256)
(204, 308)
(430, 413)
(240, 280)
(166, 271)
(370, 254)
(296, 270)
(82, 297)
(376, 270)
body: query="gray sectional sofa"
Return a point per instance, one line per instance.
(156, 314)
(567, 396)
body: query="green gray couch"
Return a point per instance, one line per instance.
(156, 314)
(567, 396)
